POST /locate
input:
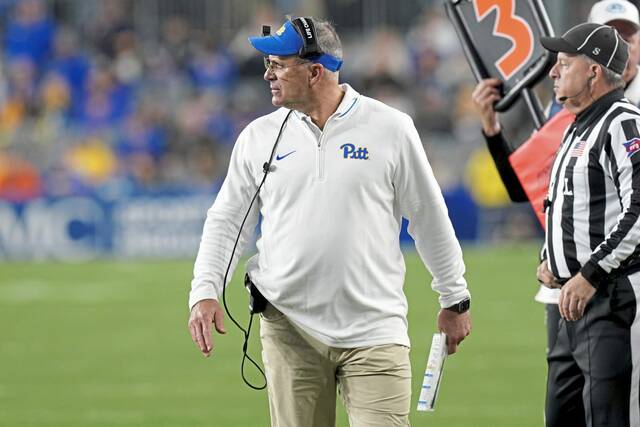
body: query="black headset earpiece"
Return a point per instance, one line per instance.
(307, 30)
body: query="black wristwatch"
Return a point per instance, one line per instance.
(460, 307)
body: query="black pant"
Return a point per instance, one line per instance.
(590, 362)
(553, 324)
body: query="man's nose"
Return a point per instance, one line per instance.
(269, 75)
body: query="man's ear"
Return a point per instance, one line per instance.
(596, 71)
(317, 71)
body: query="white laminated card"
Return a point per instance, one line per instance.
(433, 372)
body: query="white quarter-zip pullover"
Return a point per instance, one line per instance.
(329, 255)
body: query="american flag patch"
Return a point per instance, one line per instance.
(632, 146)
(578, 149)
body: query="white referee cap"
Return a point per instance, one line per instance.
(606, 11)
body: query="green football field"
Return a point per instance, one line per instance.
(106, 344)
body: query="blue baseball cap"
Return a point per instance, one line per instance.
(286, 42)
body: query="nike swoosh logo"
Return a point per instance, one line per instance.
(279, 157)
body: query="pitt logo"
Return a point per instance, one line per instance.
(280, 30)
(349, 151)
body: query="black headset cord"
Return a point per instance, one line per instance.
(266, 168)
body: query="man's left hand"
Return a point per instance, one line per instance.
(574, 296)
(456, 326)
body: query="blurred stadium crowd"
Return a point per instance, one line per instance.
(103, 110)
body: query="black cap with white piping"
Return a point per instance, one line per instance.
(601, 43)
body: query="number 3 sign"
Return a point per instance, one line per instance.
(500, 39)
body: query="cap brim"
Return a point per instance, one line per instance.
(557, 44)
(613, 21)
(271, 45)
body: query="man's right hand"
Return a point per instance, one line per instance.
(203, 315)
(546, 277)
(485, 94)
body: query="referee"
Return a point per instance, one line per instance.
(619, 14)
(592, 239)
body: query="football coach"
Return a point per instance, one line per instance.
(343, 169)
(592, 238)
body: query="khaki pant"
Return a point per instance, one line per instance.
(303, 374)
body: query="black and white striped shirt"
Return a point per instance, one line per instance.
(593, 204)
